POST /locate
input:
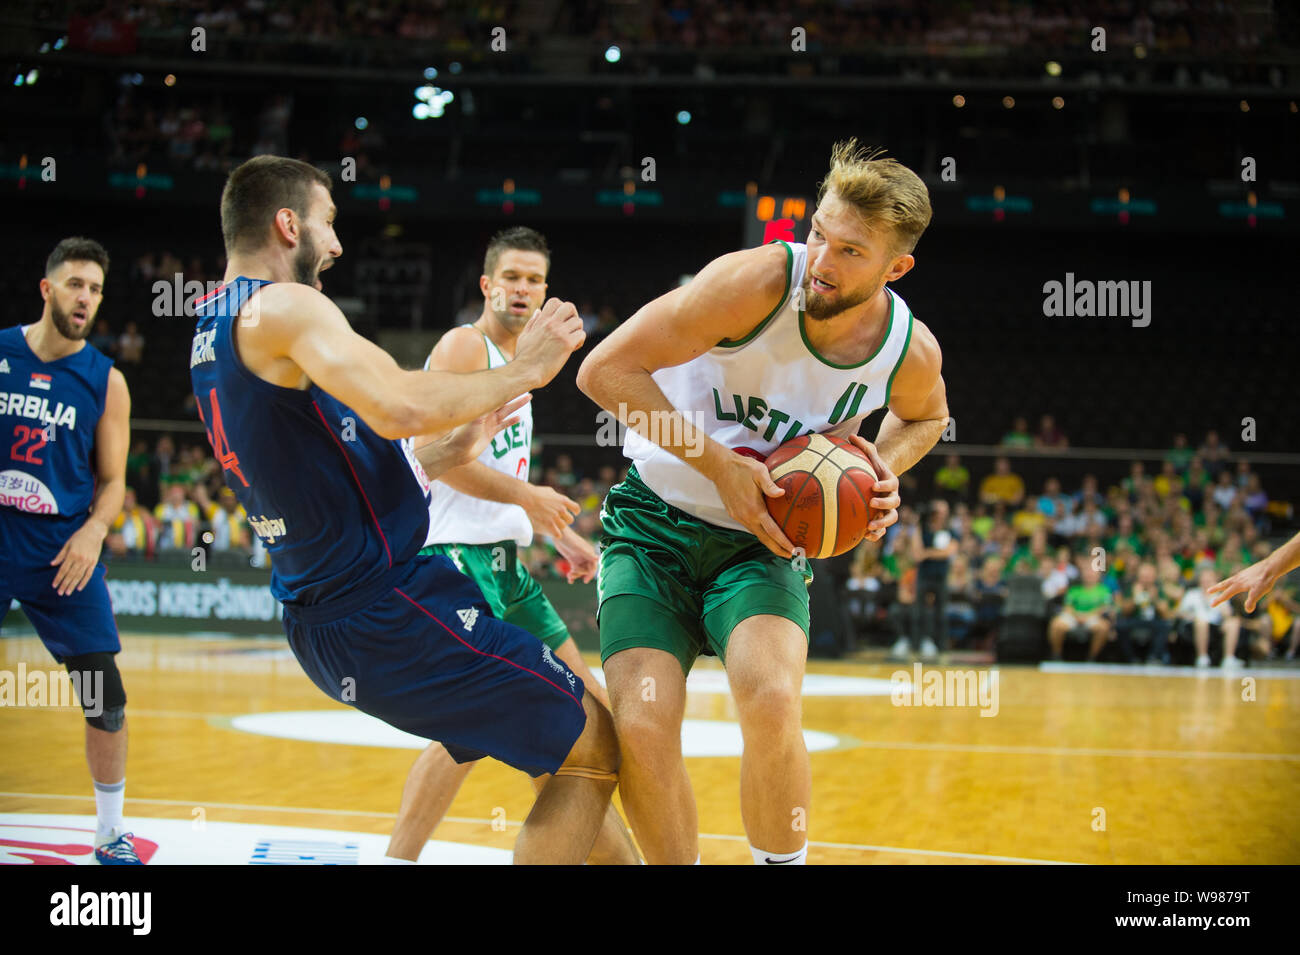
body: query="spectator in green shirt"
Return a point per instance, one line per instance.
(1136, 482)
(981, 525)
(1181, 454)
(1031, 557)
(1125, 534)
(1018, 436)
(1089, 604)
(952, 480)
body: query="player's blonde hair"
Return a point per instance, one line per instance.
(885, 193)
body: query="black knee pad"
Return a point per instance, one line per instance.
(100, 688)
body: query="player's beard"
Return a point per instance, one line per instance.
(306, 263)
(819, 308)
(63, 322)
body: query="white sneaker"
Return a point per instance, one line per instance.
(928, 650)
(1231, 663)
(1203, 661)
(901, 649)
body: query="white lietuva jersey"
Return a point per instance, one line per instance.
(763, 390)
(456, 518)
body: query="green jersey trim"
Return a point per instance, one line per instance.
(889, 385)
(789, 267)
(487, 346)
(825, 361)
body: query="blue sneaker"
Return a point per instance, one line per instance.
(119, 850)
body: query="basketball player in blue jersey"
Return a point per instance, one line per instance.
(64, 430)
(306, 419)
(482, 512)
(762, 345)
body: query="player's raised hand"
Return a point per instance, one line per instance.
(886, 501)
(550, 337)
(742, 483)
(467, 442)
(549, 511)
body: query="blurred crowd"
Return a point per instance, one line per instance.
(175, 501)
(1122, 569)
(148, 128)
(1181, 26)
(1172, 26)
(451, 25)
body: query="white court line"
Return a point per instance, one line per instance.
(466, 819)
(1079, 751)
(1157, 670)
(927, 747)
(169, 714)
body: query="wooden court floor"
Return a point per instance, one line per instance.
(1075, 767)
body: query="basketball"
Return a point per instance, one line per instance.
(825, 509)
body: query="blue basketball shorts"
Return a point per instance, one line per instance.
(423, 653)
(80, 623)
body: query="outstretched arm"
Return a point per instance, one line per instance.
(1258, 579)
(294, 331)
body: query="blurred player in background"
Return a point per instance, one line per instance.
(482, 512)
(692, 560)
(64, 429)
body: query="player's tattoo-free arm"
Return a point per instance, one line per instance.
(918, 405)
(466, 442)
(79, 555)
(299, 324)
(725, 300)
(1258, 579)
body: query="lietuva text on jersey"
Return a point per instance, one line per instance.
(339, 508)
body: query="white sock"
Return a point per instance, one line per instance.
(108, 806)
(697, 859)
(393, 860)
(780, 858)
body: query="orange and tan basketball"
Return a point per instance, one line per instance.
(827, 481)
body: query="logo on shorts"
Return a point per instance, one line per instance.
(467, 617)
(558, 667)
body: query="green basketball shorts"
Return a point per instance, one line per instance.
(673, 582)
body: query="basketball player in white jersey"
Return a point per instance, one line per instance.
(762, 345)
(481, 513)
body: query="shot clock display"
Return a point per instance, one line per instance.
(769, 216)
